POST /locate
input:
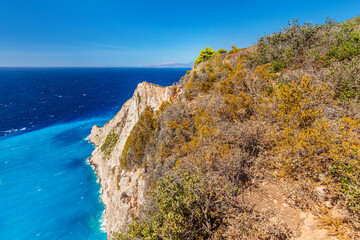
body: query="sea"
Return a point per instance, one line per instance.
(48, 190)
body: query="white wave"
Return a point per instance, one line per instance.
(102, 218)
(87, 139)
(87, 161)
(13, 130)
(102, 222)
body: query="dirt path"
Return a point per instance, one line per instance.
(270, 197)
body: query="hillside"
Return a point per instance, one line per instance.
(255, 143)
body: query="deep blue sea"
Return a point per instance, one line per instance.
(47, 188)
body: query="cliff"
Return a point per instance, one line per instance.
(123, 191)
(266, 138)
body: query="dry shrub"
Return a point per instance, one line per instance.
(252, 114)
(193, 205)
(236, 107)
(339, 224)
(307, 145)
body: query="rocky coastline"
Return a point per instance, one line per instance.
(123, 191)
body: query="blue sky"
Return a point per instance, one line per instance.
(136, 32)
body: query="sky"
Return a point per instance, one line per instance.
(132, 33)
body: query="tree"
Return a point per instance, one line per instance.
(204, 55)
(221, 51)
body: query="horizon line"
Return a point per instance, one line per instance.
(92, 67)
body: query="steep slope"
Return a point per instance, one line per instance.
(123, 190)
(261, 143)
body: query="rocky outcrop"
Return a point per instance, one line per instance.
(123, 191)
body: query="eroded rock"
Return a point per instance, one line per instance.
(123, 191)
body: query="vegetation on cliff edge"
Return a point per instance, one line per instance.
(286, 109)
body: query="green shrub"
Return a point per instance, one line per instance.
(277, 66)
(345, 77)
(185, 209)
(134, 149)
(204, 55)
(345, 50)
(188, 205)
(347, 41)
(346, 163)
(221, 51)
(290, 44)
(110, 141)
(237, 122)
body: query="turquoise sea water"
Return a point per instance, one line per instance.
(48, 190)
(51, 192)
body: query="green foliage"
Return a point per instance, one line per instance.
(347, 41)
(110, 141)
(345, 49)
(187, 205)
(134, 149)
(277, 66)
(221, 51)
(293, 44)
(345, 77)
(252, 115)
(289, 44)
(184, 210)
(204, 55)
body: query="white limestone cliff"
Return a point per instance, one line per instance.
(123, 191)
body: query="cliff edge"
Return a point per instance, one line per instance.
(123, 191)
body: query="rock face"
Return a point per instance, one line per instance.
(123, 191)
